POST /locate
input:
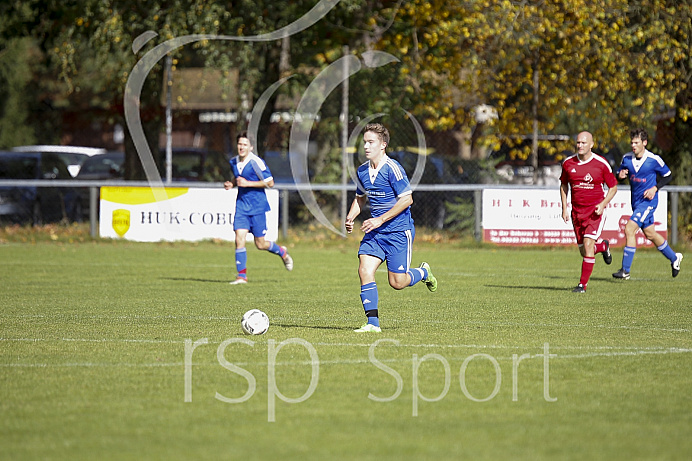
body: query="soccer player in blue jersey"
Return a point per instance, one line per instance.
(389, 233)
(251, 177)
(647, 173)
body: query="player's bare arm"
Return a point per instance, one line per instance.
(564, 189)
(353, 213)
(600, 208)
(242, 182)
(401, 204)
(622, 174)
(228, 185)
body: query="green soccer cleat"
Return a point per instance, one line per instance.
(430, 280)
(368, 328)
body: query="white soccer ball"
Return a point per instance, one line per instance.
(255, 322)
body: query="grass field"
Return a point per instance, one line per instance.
(93, 361)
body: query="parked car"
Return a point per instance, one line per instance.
(429, 207)
(37, 205)
(107, 166)
(195, 164)
(73, 156)
(279, 163)
(514, 161)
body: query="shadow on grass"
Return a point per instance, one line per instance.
(525, 287)
(313, 327)
(188, 279)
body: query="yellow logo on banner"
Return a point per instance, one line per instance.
(121, 221)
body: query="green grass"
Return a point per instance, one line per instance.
(92, 355)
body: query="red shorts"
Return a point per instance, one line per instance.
(587, 224)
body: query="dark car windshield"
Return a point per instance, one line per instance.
(12, 167)
(105, 165)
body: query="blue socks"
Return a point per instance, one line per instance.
(628, 255)
(241, 258)
(417, 275)
(369, 297)
(276, 249)
(667, 251)
(241, 262)
(627, 258)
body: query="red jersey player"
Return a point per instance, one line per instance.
(588, 176)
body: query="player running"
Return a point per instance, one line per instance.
(647, 173)
(389, 233)
(251, 176)
(588, 176)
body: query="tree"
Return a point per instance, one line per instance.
(561, 60)
(16, 72)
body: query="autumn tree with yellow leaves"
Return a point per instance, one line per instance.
(601, 66)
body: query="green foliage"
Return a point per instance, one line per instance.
(16, 62)
(681, 163)
(460, 215)
(609, 64)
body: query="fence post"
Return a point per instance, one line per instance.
(673, 218)
(477, 208)
(93, 215)
(284, 213)
(344, 141)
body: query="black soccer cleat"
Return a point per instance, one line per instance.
(621, 274)
(579, 289)
(607, 257)
(676, 264)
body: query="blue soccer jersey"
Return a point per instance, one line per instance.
(643, 175)
(383, 186)
(251, 200)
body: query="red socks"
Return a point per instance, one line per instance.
(586, 270)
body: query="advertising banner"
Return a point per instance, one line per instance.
(146, 214)
(534, 217)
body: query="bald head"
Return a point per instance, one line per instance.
(584, 145)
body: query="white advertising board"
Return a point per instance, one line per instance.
(146, 214)
(534, 217)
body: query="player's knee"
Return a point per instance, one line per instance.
(365, 273)
(399, 283)
(631, 228)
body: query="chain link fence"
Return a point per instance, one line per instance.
(436, 159)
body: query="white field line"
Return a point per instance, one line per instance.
(563, 325)
(598, 351)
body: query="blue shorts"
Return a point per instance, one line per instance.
(393, 247)
(643, 215)
(257, 223)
